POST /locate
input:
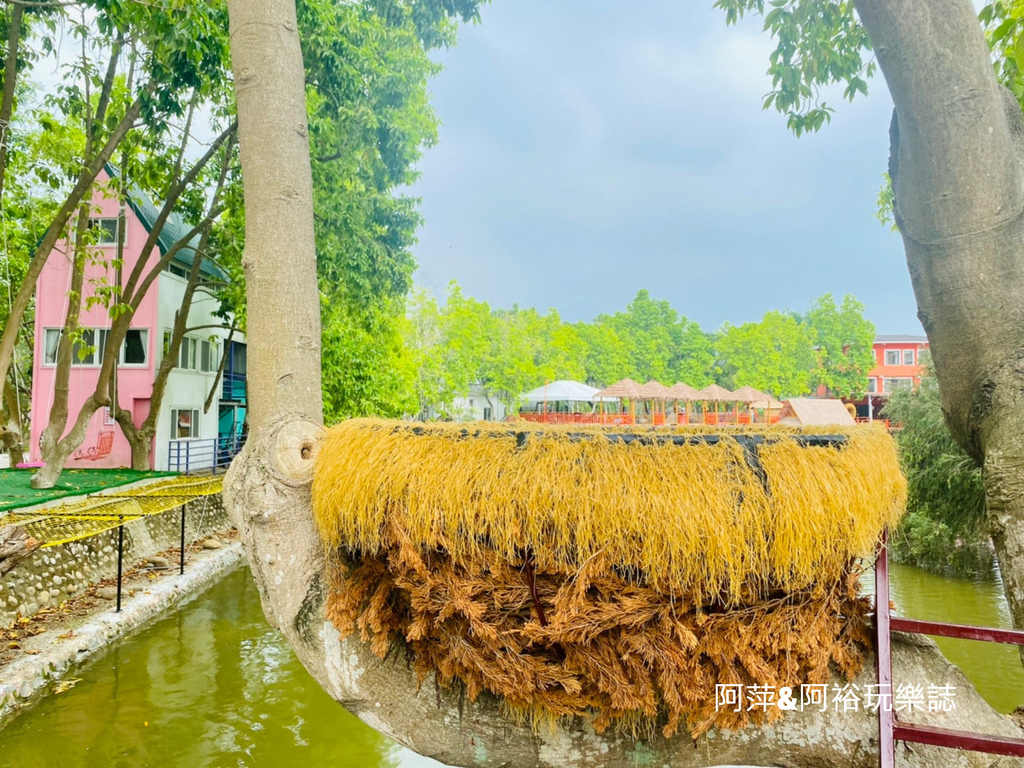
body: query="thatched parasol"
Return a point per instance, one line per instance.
(681, 391)
(626, 388)
(713, 393)
(755, 398)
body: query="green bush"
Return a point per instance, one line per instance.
(945, 527)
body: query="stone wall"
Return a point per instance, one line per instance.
(52, 575)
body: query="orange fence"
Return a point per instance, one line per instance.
(578, 418)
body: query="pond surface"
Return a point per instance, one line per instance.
(994, 668)
(213, 685)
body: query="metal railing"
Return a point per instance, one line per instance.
(207, 455)
(233, 387)
(890, 728)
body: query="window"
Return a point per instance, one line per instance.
(51, 340)
(178, 270)
(872, 385)
(908, 357)
(891, 385)
(89, 350)
(104, 231)
(892, 357)
(238, 359)
(205, 356)
(487, 413)
(187, 354)
(184, 423)
(136, 347)
(197, 354)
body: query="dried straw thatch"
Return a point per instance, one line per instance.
(682, 391)
(714, 393)
(654, 390)
(627, 388)
(593, 572)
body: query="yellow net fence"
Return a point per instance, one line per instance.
(91, 515)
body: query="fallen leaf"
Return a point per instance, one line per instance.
(14, 645)
(67, 685)
(33, 652)
(66, 635)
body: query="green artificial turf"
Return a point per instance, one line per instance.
(16, 492)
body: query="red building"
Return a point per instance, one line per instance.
(897, 365)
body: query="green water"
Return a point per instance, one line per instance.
(209, 685)
(213, 685)
(995, 669)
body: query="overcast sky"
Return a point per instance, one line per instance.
(590, 148)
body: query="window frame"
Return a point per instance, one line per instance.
(892, 352)
(194, 427)
(96, 224)
(99, 340)
(913, 357)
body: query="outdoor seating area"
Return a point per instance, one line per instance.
(627, 402)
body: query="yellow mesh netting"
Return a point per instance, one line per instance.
(94, 514)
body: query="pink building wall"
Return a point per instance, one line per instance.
(134, 383)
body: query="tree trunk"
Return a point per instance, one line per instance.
(11, 436)
(55, 450)
(15, 546)
(957, 140)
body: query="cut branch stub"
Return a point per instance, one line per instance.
(296, 444)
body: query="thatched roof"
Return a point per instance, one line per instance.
(625, 388)
(757, 398)
(681, 391)
(568, 494)
(813, 411)
(655, 390)
(713, 393)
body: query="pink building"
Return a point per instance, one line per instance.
(186, 421)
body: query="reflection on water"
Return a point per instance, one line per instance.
(214, 685)
(994, 668)
(210, 685)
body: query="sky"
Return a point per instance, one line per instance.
(591, 148)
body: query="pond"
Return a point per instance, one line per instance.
(213, 685)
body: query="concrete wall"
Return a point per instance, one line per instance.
(51, 576)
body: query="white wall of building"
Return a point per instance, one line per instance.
(187, 389)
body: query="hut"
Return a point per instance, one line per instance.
(626, 389)
(686, 394)
(814, 411)
(657, 394)
(716, 394)
(756, 399)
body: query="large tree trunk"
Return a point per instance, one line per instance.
(11, 436)
(957, 143)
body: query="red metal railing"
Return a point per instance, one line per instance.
(889, 729)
